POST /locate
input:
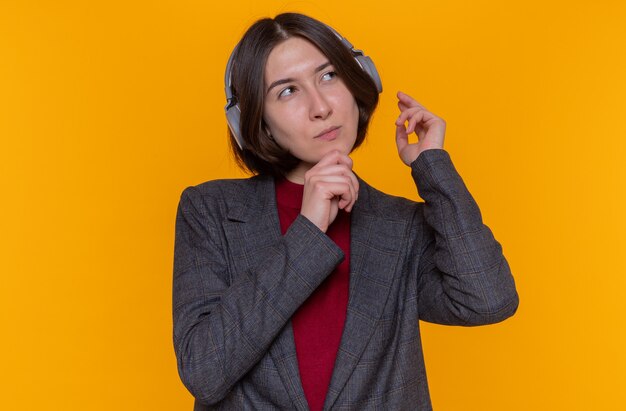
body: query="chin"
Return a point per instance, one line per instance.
(315, 154)
(342, 150)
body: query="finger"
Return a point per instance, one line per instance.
(339, 189)
(403, 106)
(418, 117)
(321, 182)
(402, 139)
(408, 100)
(330, 169)
(343, 159)
(338, 169)
(339, 173)
(335, 163)
(335, 157)
(402, 118)
(323, 196)
(356, 196)
(322, 172)
(414, 120)
(354, 188)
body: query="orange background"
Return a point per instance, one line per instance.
(109, 109)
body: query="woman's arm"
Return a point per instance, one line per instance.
(464, 278)
(221, 329)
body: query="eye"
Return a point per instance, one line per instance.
(286, 92)
(329, 75)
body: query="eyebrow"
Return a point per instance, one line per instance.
(289, 80)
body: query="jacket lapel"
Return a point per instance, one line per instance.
(252, 227)
(375, 243)
(283, 352)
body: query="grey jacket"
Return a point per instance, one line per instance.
(237, 282)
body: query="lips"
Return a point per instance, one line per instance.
(329, 134)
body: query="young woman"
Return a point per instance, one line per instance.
(302, 287)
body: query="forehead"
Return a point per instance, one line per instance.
(292, 58)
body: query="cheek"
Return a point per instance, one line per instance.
(280, 128)
(272, 120)
(349, 101)
(355, 114)
(289, 121)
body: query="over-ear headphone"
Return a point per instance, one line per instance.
(233, 113)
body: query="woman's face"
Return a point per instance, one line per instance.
(307, 107)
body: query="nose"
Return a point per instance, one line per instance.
(320, 108)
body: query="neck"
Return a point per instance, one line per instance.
(297, 174)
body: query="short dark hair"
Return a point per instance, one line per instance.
(261, 154)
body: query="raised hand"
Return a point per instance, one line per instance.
(329, 186)
(430, 129)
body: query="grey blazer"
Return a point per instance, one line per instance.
(237, 282)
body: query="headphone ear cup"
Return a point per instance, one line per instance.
(233, 116)
(368, 65)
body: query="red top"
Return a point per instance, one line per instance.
(318, 323)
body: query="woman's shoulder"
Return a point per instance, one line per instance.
(387, 205)
(227, 186)
(224, 193)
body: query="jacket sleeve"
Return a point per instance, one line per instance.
(222, 327)
(464, 278)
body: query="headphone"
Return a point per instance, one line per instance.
(233, 113)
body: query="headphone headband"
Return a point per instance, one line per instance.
(233, 113)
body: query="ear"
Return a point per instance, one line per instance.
(267, 130)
